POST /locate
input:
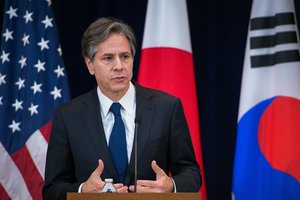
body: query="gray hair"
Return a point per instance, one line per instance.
(98, 32)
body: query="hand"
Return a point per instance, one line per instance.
(121, 188)
(163, 182)
(96, 184)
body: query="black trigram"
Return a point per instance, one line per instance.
(268, 41)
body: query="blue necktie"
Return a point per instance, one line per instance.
(117, 143)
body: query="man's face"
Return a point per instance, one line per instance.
(112, 66)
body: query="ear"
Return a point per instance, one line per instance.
(90, 65)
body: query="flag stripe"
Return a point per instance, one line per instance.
(273, 50)
(271, 41)
(46, 130)
(14, 183)
(4, 195)
(37, 147)
(29, 172)
(272, 31)
(276, 58)
(272, 22)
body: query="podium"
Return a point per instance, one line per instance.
(133, 196)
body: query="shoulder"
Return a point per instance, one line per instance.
(157, 98)
(154, 93)
(80, 102)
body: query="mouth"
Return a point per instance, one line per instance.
(119, 78)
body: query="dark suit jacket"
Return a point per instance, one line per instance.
(77, 142)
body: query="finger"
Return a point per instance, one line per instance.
(118, 185)
(157, 170)
(98, 171)
(147, 183)
(144, 189)
(123, 189)
(131, 188)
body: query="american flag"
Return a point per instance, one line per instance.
(33, 83)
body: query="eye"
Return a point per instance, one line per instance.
(108, 58)
(125, 57)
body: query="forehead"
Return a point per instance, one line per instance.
(114, 42)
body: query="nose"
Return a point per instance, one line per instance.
(118, 64)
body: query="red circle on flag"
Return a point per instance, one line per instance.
(279, 135)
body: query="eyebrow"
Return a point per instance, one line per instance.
(112, 54)
(108, 54)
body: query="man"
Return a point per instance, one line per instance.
(87, 132)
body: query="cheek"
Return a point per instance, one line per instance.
(129, 67)
(101, 74)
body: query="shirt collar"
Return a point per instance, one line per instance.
(127, 101)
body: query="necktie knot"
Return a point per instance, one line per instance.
(115, 108)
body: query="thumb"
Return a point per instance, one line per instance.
(157, 170)
(98, 171)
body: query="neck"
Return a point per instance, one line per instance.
(114, 95)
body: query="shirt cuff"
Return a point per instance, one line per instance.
(174, 185)
(79, 189)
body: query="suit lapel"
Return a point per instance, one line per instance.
(145, 111)
(92, 118)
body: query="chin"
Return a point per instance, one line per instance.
(120, 88)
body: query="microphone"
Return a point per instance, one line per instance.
(136, 122)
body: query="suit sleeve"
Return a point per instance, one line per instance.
(59, 172)
(183, 165)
